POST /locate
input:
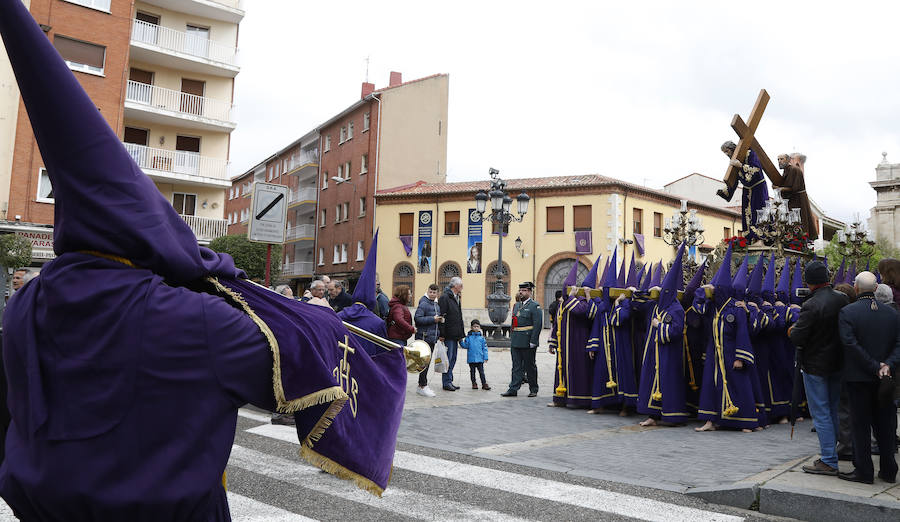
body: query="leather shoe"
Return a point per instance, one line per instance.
(450, 388)
(854, 477)
(532, 394)
(455, 387)
(889, 480)
(820, 468)
(508, 393)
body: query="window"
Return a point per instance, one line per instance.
(343, 252)
(340, 174)
(362, 207)
(360, 252)
(337, 255)
(324, 180)
(364, 164)
(581, 217)
(228, 219)
(321, 257)
(184, 204)
(407, 222)
(366, 118)
(404, 274)
(556, 221)
(447, 271)
(327, 146)
(727, 232)
(347, 170)
(45, 189)
(637, 216)
(337, 214)
(322, 217)
(657, 224)
(451, 223)
(81, 56)
(346, 211)
(231, 193)
(495, 228)
(196, 40)
(343, 135)
(100, 5)
(271, 173)
(350, 131)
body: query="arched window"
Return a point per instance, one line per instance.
(405, 274)
(448, 270)
(490, 280)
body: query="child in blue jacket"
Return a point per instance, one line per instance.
(476, 346)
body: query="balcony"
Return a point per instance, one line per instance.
(176, 49)
(301, 232)
(206, 229)
(154, 104)
(231, 11)
(303, 162)
(298, 269)
(301, 195)
(184, 167)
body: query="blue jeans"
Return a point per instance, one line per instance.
(452, 346)
(823, 394)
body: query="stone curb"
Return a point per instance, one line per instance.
(740, 495)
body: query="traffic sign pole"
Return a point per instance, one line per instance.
(268, 262)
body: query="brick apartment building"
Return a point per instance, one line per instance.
(391, 136)
(162, 73)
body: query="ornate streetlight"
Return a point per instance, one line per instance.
(498, 301)
(854, 241)
(776, 224)
(682, 227)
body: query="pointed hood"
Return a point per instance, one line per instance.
(632, 278)
(103, 201)
(851, 274)
(611, 277)
(365, 288)
(695, 281)
(573, 274)
(590, 280)
(670, 284)
(656, 278)
(722, 280)
(639, 278)
(623, 276)
(783, 291)
(839, 277)
(741, 278)
(796, 282)
(755, 286)
(768, 285)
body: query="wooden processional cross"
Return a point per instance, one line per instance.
(748, 141)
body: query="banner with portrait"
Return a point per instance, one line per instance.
(473, 253)
(424, 250)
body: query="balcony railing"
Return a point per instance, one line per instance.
(206, 229)
(301, 231)
(178, 162)
(176, 101)
(181, 42)
(298, 268)
(302, 194)
(306, 158)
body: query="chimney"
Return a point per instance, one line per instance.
(367, 89)
(396, 79)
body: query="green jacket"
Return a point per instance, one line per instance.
(529, 321)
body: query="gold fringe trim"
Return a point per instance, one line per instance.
(325, 464)
(111, 257)
(334, 393)
(324, 421)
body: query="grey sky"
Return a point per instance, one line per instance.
(642, 91)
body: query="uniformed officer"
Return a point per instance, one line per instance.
(527, 321)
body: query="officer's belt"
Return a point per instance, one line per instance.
(522, 328)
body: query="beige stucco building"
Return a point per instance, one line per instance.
(884, 217)
(612, 212)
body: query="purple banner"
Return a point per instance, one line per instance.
(583, 242)
(407, 244)
(639, 243)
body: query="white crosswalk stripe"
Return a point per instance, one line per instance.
(395, 500)
(245, 509)
(571, 494)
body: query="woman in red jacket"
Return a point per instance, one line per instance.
(400, 324)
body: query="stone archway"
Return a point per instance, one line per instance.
(552, 275)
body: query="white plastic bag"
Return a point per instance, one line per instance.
(439, 357)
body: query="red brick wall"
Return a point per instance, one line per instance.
(108, 92)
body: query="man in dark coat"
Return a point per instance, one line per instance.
(452, 330)
(816, 336)
(871, 337)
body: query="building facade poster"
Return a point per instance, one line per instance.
(473, 254)
(424, 250)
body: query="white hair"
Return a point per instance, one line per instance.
(455, 281)
(316, 284)
(29, 275)
(865, 282)
(884, 294)
(281, 288)
(800, 157)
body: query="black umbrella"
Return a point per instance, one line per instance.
(797, 392)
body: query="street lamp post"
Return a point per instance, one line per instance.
(501, 202)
